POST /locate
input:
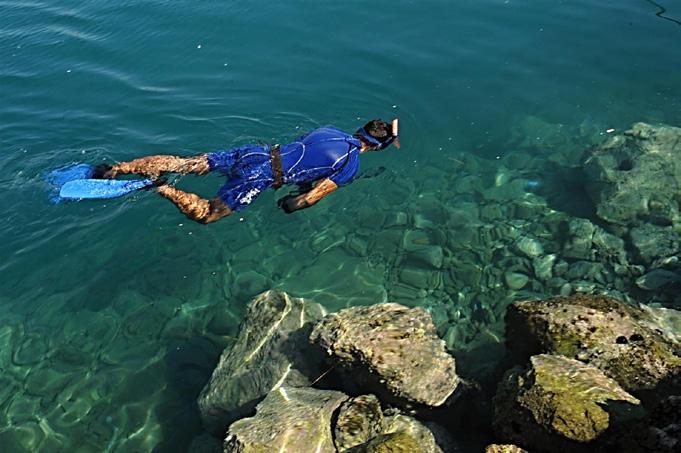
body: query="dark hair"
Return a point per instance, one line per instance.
(379, 129)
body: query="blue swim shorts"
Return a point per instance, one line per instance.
(248, 170)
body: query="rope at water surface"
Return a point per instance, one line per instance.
(661, 12)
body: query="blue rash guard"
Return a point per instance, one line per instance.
(326, 152)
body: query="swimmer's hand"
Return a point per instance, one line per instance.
(291, 203)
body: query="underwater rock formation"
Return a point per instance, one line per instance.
(271, 350)
(288, 419)
(636, 177)
(554, 403)
(560, 142)
(658, 280)
(624, 341)
(392, 349)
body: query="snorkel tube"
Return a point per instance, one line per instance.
(378, 144)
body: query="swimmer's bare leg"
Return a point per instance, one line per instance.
(156, 165)
(194, 207)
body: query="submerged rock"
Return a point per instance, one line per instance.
(392, 349)
(580, 239)
(516, 280)
(429, 256)
(288, 419)
(624, 341)
(658, 279)
(635, 177)
(543, 266)
(654, 242)
(555, 402)
(271, 350)
(530, 247)
(556, 140)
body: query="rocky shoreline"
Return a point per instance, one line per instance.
(583, 373)
(592, 369)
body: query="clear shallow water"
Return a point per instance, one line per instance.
(112, 314)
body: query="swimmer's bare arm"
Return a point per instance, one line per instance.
(322, 189)
(156, 165)
(194, 207)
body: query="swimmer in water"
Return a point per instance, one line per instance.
(320, 162)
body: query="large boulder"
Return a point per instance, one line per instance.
(627, 343)
(359, 420)
(555, 404)
(400, 442)
(271, 350)
(636, 177)
(288, 419)
(392, 349)
(401, 423)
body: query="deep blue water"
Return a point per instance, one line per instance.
(112, 313)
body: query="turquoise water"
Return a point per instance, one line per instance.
(112, 314)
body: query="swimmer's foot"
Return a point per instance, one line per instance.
(157, 182)
(104, 171)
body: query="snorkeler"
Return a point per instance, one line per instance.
(318, 162)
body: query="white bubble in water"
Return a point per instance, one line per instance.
(199, 46)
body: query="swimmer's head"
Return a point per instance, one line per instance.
(378, 134)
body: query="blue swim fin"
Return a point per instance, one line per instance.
(56, 178)
(97, 189)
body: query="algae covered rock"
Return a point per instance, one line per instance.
(554, 403)
(423, 435)
(636, 177)
(392, 349)
(390, 443)
(504, 448)
(271, 349)
(622, 340)
(288, 419)
(358, 421)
